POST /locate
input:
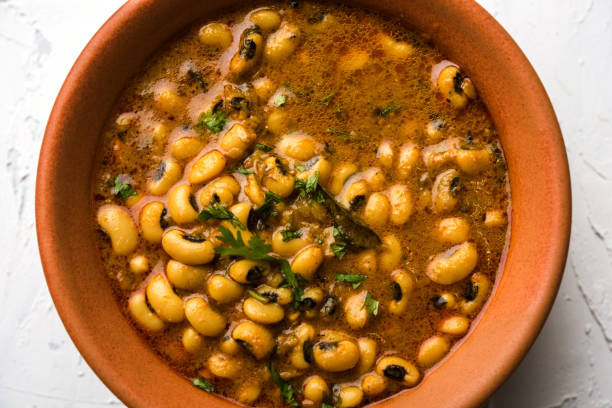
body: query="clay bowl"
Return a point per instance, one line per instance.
(463, 31)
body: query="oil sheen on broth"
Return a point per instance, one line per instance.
(301, 204)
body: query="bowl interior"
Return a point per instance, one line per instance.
(465, 33)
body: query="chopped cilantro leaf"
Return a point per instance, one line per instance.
(258, 296)
(213, 121)
(389, 109)
(122, 189)
(342, 135)
(309, 188)
(280, 100)
(242, 170)
(263, 147)
(220, 212)
(258, 216)
(370, 304)
(203, 384)
(354, 279)
(327, 98)
(300, 168)
(289, 235)
(340, 248)
(287, 390)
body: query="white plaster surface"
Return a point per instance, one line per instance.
(569, 42)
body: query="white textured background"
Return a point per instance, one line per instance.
(569, 42)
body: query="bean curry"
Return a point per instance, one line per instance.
(301, 204)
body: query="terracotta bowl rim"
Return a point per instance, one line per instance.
(521, 342)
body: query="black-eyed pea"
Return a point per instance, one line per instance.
(181, 204)
(315, 389)
(391, 255)
(264, 88)
(367, 354)
(450, 85)
(454, 264)
(356, 193)
(204, 318)
(355, 313)
(311, 299)
(254, 191)
(241, 211)
(385, 154)
(480, 286)
(301, 354)
(276, 178)
(282, 43)
(228, 345)
(248, 392)
(473, 161)
(400, 200)
(495, 218)
(217, 194)
(375, 178)
(407, 159)
(349, 397)
(160, 134)
(263, 313)
(307, 261)
(377, 209)
(454, 325)
(446, 300)
(168, 100)
(207, 167)
(248, 272)
(437, 155)
(353, 61)
(373, 384)
(339, 176)
(254, 338)
(445, 190)
(298, 145)
(398, 369)
(140, 312)
(187, 249)
(322, 166)
(216, 35)
(366, 261)
(167, 304)
(120, 227)
(186, 277)
(289, 248)
(403, 285)
(432, 350)
(282, 296)
(168, 173)
(150, 219)
(246, 60)
(237, 140)
(139, 264)
(125, 120)
(399, 50)
(453, 230)
(224, 366)
(133, 200)
(223, 289)
(192, 340)
(279, 121)
(336, 355)
(186, 148)
(434, 131)
(268, 20)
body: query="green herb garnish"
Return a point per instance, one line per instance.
(287, 390)
(257, 250)
(289, 235)
(340, 248)
(300, 168)
(327, 406)
(242, 170)
(258, 216)
(309, 189)
(327, 98)
(342, 135)
(318, 240)
(354, 279)
(213, 121)
(203, 384)
(370, 304)
(263, 147)
(122, 189)
(389, 109)
(280, 100)
(258, 296)
(220, 212)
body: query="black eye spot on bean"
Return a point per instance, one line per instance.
(455, 186)
(248, 49)
(438, 301)
(194, 238)
(159, 173)
(395, 372)
(472, 292)
(270, 295)
(163, 220)
(317, 17)
(294, 4)
(307, 304)
(307, 350)
(217, 106)
(193, 202)
(397, 291)
(357, 202)
(457, 82)
(329, 306)
(239, 103)
(254, 274)
(328, 345)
